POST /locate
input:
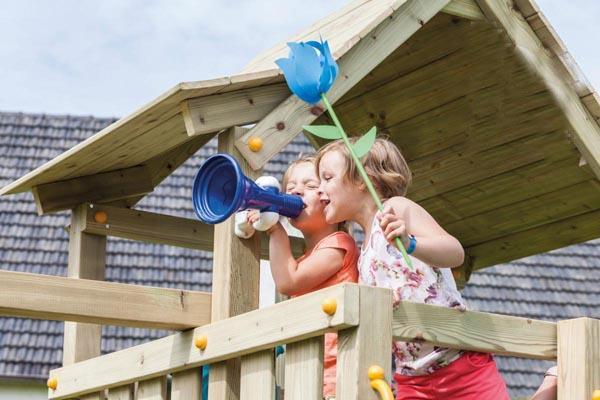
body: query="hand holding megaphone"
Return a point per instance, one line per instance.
(266, 219)
(221, 189)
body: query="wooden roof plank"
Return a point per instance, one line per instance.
(521, 244)
(586, 132)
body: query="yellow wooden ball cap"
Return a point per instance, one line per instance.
(596, 394)
(329, 306)
(52, 383)
(201, 342)
(375, 372)
(255, 144)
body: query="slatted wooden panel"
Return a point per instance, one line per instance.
(304, 370)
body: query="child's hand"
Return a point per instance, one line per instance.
(393, 226)
(253, 216)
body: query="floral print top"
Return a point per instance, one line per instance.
(381, 264)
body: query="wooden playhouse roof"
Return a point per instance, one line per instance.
(499, 126)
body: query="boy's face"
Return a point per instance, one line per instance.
(339, 196)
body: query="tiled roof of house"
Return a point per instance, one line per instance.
(556, 285)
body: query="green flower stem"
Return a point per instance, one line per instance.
(362, 172)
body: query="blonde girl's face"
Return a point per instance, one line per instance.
(339, 196)
(304, 182)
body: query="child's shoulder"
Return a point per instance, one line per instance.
(400, 204)
(342, 236)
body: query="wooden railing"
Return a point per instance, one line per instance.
(362, 316)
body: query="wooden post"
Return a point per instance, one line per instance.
(87, 260)
(370, 343)
(578, 358)
(235, 287)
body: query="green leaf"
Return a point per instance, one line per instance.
(323, 131)
(363, 145)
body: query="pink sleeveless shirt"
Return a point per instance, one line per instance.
(381, 264)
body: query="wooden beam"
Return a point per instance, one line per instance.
(586, 132)
(85, 300)
(162, 229)
(476, 331)
(220, 111)
(102, 187)
(465, 9)
(283, 123)
(285, 322)
(236, 276)
(87, 260)
(366, 345)
(578, 358)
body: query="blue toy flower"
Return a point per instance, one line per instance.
(310, 69)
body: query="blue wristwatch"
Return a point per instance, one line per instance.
(412, 244)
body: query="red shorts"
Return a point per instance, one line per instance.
(472, 377)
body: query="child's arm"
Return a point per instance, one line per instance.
(435, 246)
(293, 278)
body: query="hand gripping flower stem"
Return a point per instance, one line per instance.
(361, 171)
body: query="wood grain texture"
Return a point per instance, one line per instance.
(90, 301)
(304, 369)
(476, 331)
(286, 322)
(578, 358)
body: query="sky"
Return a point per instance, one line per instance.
(107, 58)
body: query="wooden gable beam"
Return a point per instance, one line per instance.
(585, 131)
(220, 111)
(105, 220)
(283, 123)
(102, 187)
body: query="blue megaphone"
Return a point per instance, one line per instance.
(220, 189)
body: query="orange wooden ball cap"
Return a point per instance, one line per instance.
(52, 383)
(255, 144)
(101, 217)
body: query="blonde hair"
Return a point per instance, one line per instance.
(302, 158)
(384, 164)
(307, 158)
